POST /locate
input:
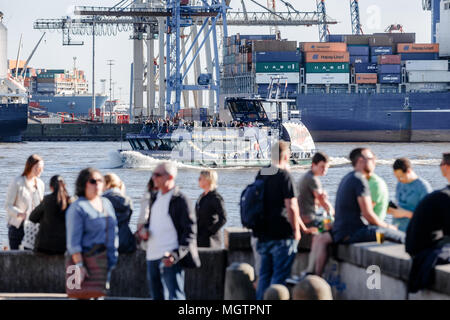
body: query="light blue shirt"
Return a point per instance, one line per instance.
(408, 196)
(86, 227)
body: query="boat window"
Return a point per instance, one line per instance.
(133, 144)
(147, 144)
(139, 145)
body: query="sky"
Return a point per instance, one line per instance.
(19, 16)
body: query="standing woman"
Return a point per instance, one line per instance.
(24, 194)
(91, 225)
(210, 210)
(123, 207)
(51, 215)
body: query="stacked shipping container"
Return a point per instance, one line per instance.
(326, 63)
(371, 59)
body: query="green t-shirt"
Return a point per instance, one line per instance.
(380, 195)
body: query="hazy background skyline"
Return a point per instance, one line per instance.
(19, 16)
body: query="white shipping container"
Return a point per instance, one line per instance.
(426, 65)
(291, 77)
(429, 76)
(327, 78)
(428, 87)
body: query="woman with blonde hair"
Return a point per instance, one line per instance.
(114, 191)
(24, 194)
(210, 211)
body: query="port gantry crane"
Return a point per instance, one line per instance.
(150, 20)
(356, 20)
(434, 7)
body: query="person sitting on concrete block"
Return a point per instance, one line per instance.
(428, 233)
(312, 288)
(277, 292)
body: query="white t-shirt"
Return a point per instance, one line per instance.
(163, 235)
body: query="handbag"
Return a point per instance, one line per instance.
(96, 263)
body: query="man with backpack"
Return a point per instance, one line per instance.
(278, 224)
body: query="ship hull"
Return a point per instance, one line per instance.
(76, 104)
(13, 121)
(399, 117)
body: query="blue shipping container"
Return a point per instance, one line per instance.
(420, 56)
(389, 78)
(366, 68)
(358, 50)
(257, 37)
(283, 56)
(378, 51)
(359, 59)
(389, 68)
(374, 59)
(336, 38)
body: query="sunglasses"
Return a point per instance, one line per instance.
(95, 181)
(157, 174)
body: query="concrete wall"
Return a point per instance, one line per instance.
(347, 272)
(79, 132)
(27, 272)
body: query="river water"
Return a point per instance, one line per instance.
(68, 158)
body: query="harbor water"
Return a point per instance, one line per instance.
(68, 158)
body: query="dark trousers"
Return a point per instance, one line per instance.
(166, 283)
(15, 236)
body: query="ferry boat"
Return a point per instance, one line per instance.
(262, 122)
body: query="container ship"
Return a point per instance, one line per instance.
(383, 87)
(13, 97)
(56, 90)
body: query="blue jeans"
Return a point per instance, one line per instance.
(166, 283)
(368, 234)
(277, 257)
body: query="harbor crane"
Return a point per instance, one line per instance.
(434, 7)
(355, 17)
(178, 58)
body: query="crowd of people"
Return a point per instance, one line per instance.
(170, 229)
(170, 124)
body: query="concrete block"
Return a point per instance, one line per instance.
(237, 238)
(208, 281)
(277, 292)
(239, 282)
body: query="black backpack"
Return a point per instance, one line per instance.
(252, 203)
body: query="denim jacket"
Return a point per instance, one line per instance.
(86, 227)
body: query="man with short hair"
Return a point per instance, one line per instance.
(409, 191)
(355, 220)
(278, 232)
(354, 202)
(378, 190)
(172, 242)
(428, 233)
(311, 195)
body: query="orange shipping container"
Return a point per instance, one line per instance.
(370, 78)
(324, 47)
(417, 47)
(327, 57)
